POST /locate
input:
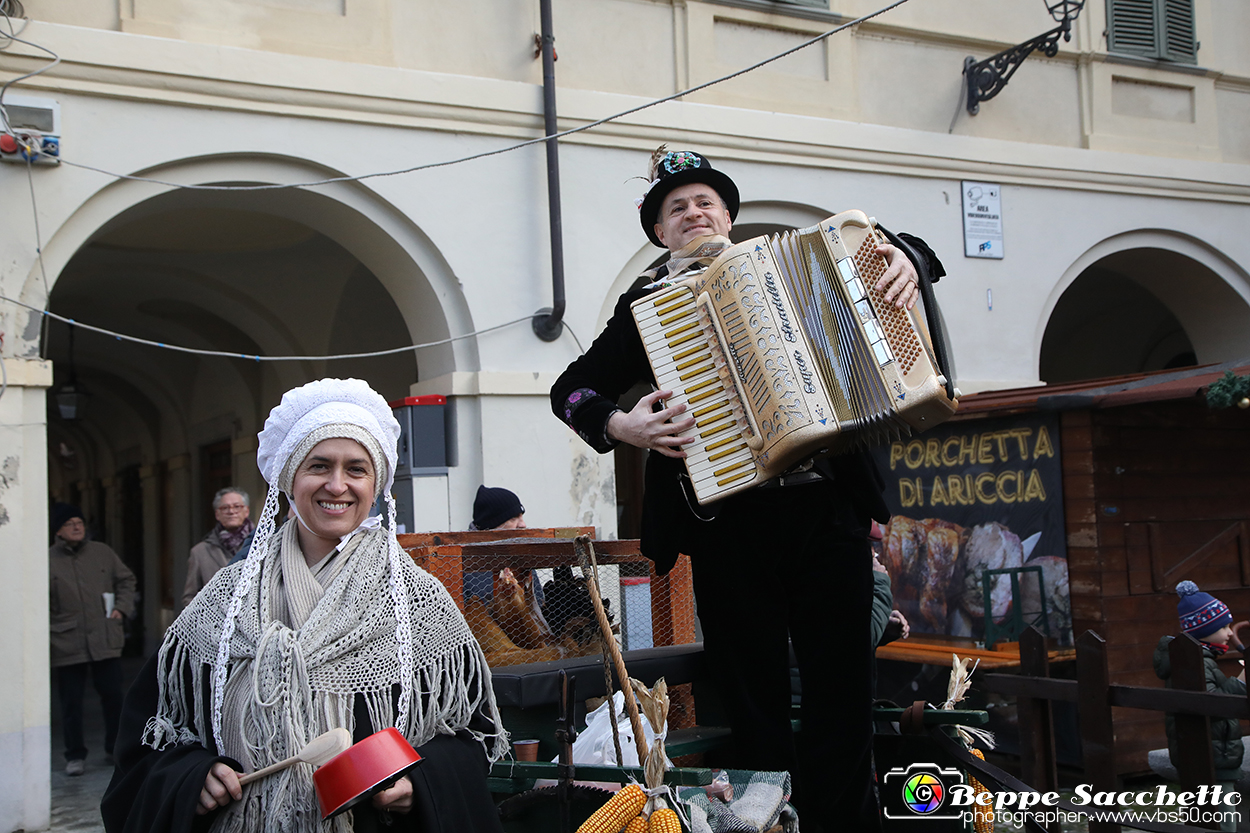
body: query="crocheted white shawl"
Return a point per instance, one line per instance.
(284, 654)
(299, 656)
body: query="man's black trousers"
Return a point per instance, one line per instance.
(106, 677)
(793, 564)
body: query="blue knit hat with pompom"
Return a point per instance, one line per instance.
(1201, 613)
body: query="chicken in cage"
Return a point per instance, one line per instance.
(517, 627)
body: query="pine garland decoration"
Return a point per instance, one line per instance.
(1227, 391)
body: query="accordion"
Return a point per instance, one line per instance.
(783, 350)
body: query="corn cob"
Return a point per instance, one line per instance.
(982, 817)
(664, 821)
(638, 825)
(617, 812)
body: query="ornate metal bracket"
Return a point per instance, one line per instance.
(986, 79)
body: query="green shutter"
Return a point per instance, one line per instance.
(1153, 29)
(1178, 31)
(1131, 27)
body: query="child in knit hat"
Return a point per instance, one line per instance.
(1208, 620)
(1205, 617)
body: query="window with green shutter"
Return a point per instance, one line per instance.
(1162, 29)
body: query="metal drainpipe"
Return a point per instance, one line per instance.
(548, 322)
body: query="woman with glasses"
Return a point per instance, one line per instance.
(232, 508)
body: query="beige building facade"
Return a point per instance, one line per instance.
(1124, 181)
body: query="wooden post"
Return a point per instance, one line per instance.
(1094, 708)
(585, 554)
(1038, 766)
(1193, 731)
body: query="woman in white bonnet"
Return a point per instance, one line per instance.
(326, 623)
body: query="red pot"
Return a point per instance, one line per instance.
(365, 768)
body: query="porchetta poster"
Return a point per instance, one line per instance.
(970, 496)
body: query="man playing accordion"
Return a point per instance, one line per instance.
(785, 562)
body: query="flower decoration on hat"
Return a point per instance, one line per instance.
(668, 170)
(679, 160)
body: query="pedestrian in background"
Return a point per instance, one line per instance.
(232, 508)
(90, 592)
(497, 508)
(494, 508)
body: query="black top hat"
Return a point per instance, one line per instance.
(675, 169)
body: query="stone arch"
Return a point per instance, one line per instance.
(1143, 300)
(377, 233)
(178, 266)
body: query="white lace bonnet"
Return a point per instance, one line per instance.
(313, 409)
(325, 409)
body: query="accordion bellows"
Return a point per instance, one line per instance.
(783, 351)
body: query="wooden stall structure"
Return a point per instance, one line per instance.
(1156, 490)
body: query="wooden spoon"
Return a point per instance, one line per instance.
(316, 752)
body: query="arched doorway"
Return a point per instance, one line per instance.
(288, 273)
(1146, 307)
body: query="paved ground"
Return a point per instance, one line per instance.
(76, 801)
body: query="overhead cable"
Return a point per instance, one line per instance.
(252, 356)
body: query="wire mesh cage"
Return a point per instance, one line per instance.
(528, 599)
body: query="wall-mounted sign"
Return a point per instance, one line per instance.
(983, 219)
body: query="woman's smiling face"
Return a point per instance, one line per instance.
(333, 491)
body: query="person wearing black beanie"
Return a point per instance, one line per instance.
(497, 508)
(90, 593)
(493, 508)
(61, 514)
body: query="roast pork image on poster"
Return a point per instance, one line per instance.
(973, 496)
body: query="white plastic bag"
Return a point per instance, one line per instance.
(594, 743)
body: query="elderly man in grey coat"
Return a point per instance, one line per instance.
(232, 508)
(90, 592)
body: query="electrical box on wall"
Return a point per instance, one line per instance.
(31, 132)
(422, 432)
(421, 491)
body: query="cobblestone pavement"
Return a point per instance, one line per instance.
(76, 800)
